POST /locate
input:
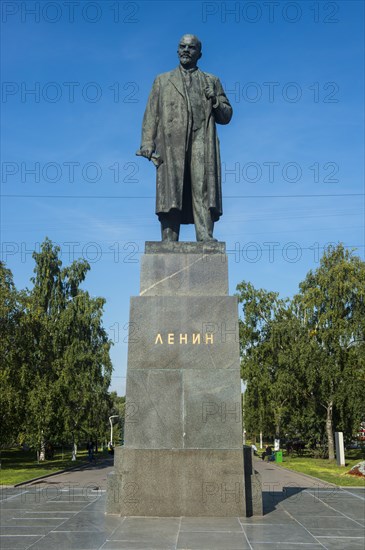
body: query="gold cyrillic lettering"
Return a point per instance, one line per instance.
(158, 339)
(196, 338)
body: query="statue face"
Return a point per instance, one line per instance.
(189, 51)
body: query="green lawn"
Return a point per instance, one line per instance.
(325, 469)
(18, 466)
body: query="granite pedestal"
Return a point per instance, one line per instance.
(183, 453)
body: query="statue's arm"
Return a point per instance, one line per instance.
(222, 109)
(150, 119)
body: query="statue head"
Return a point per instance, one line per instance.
(189, 51)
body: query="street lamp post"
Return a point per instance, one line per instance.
(111, 427)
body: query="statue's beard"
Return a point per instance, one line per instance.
(187, 60)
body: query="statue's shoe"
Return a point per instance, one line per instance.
(209, 240)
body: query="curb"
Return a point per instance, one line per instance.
(49, 475)
(344, 487)
(308, 476)
(79, 466)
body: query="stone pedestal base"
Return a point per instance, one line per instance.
(183, 453)
(188, 482)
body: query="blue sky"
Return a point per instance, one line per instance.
(293, 166)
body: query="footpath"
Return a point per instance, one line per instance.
(86, 475)
(67, 512)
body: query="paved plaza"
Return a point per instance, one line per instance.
(67, 512)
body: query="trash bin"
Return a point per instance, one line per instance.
(278, 456)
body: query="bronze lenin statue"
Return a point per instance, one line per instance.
(179, 135)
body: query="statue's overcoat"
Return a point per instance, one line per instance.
(167, 126)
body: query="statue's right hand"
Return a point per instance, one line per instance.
(147, 152)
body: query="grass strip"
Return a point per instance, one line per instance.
(18, 466)
(325, 470)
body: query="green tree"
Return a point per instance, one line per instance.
(332, 307)
(268, 333)
(304, 360)
(11, 400)
(66, 366)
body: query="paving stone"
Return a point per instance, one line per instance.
(61, 507)
(278, 533)
(160, 537)
(210, 524)
(354, 509)
(90, 521)
(276, 517)
(338, 532)
(284, 546)
(17, 542)
(51, 523)
(151, 523)
(323, 513)
(25, 530)
(324, 522)
(130, 545)
(70, 541)
(273, 531)
(210, 540)
(33, 515)
(347, 543)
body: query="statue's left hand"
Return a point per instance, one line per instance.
(209, 92)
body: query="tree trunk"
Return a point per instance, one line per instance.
(42, 454)
(74, 451)
(277, 429)
(329, 431)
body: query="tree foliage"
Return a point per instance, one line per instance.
(11, 314)
(267, 354)
(332, 306)
(62, 363)
(303, 359)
